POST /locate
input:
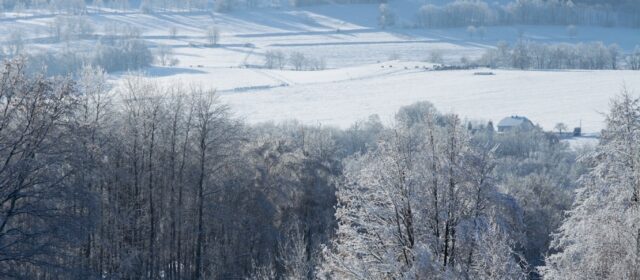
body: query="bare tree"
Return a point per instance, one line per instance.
(40, 193)
(173, 32)
(614, 55)
(633, 59)
(274, 59)
(212, 34)
(560, 127)
(212, 133)
(298, 60)
(164, 55)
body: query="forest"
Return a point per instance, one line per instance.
(144, 139)
(165, 183)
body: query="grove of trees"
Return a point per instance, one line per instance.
(121, 49)
(158, 183)
(298, 61)
(531, 55)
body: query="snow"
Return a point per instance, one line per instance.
(582, 143)
(545, 97)
(340, 97)
(359, 80)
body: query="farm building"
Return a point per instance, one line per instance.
(514, 122)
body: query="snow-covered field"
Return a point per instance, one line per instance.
(370, 70)
(342, 96)
(546, 97)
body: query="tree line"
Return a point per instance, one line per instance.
(458, 13)
(121, 49)
(532, 55)
(531, 12)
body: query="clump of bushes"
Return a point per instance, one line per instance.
(276, 59)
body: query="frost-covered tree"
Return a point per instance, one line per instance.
(376, 230)
(600, 238)
(495, 257)
(418, 206)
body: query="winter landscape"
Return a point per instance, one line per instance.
(314, 139)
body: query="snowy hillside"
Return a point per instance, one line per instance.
(545, 97)
(342, 96)
(370, 70)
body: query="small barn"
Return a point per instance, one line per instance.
(514, 122)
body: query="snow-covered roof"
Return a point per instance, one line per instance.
(514, 121)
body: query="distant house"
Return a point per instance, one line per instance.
(514, 122)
